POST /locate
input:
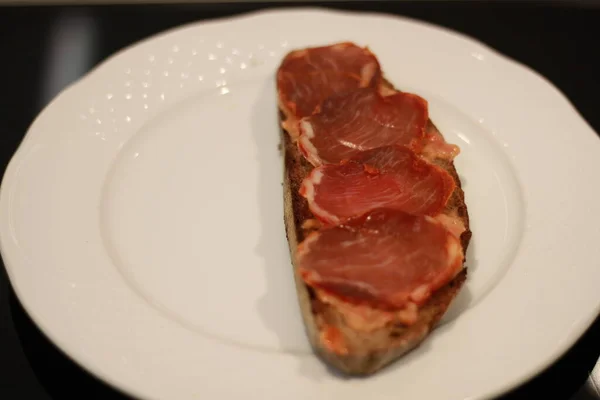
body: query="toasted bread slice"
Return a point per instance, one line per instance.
(369, 350)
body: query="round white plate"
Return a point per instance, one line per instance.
(141, 220)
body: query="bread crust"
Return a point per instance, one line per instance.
(381, 347)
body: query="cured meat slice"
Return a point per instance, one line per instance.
(359, 120)
(387, 259)
(306, 77)
(386, 177)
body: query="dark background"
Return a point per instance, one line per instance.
(42, 49)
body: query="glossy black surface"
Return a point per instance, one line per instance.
(44, 49)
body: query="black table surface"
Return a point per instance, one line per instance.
(560, 41)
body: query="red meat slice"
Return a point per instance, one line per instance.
(386, 177)
(386, 259)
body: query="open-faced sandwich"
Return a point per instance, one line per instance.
(375, 215)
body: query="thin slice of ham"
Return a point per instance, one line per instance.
(386, 259)
(362, 119)
(385, 177)
(307, 77)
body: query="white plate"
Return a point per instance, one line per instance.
(141, 219)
